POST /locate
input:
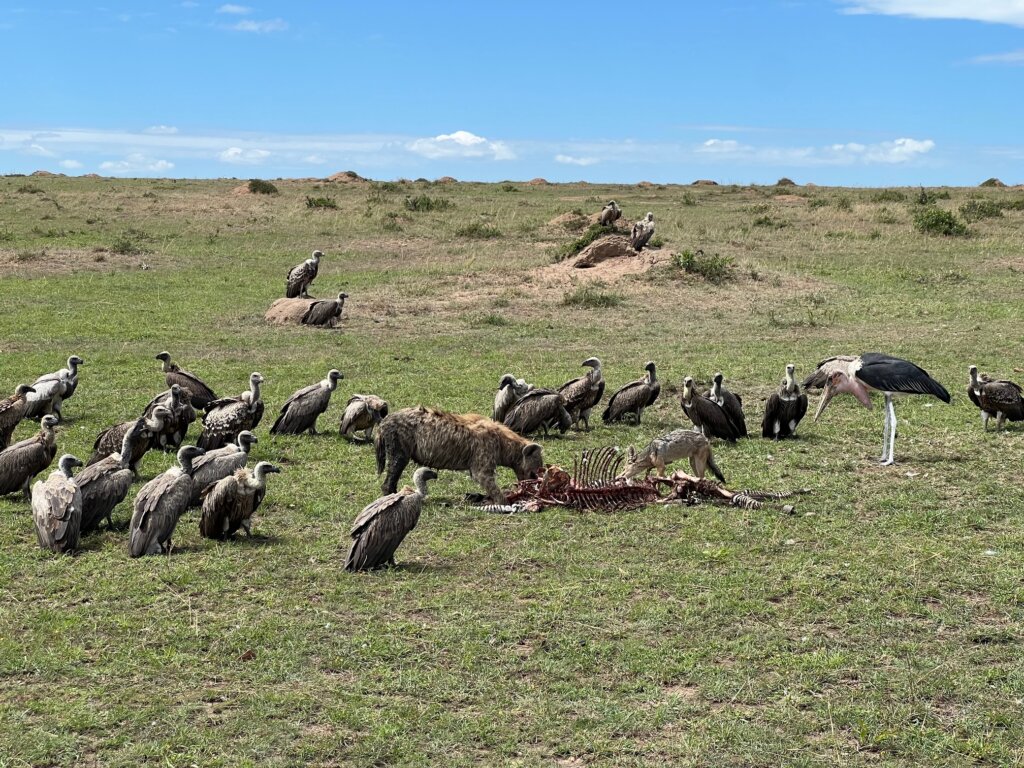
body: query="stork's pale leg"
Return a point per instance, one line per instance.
(892, 429)
(885, 431)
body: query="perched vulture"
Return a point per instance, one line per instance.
(301, 410)
(609, 214)
(105, 483)
(111, 439)
(643, 230)
(362, 412)
(1002, 399)
(583, 393)
(707, 416)
(12, 411)
(52, 389)
(729, 402)
(198, 393)
(230, 503)
(301, 275)
(226, 417)
(159, 504)
(218, 464)
(326, 312)
(538, 409)
(57, 508)
(785, 408)
(25, 459)
(176, 400)
(510, 391)
(633, 397)
(381, 526)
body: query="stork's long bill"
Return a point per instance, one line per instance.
(838, 383)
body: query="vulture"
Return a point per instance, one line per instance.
(301, 410)
(12, 411)
(57, 508)
(228, 416)
(707, 416)
(538, 409)
(105, 483)
(510, 391)
(609, 214)
(25, 459)
(583, 393)
(633, 397)
(198, 393)
(52, 389)
(381, 526)
(301, 275)
(159, 504)
(230, 503)
(326, 312)
(785, 408)
(218, 464)
(643, 231)
(729, 402)
(182, 414)
(111, 440)
(363, 412)
(1001, 399)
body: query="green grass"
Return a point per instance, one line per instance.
(878, 625)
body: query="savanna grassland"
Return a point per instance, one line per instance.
(880, 624)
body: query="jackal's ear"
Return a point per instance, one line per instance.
(631, 454)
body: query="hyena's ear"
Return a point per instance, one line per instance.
(532, 450)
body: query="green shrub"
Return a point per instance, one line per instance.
(770, 223)
(424, 203)
(656, 242)
(713, 268)
(890, 196)
(509, 188)
(817, 202)
(320, 202)
(261, 187)
(593, 232)
(935, 221)
(928, 197)
(130, 242)
(843, 203)
(976, 210)
(478, 231)
(29, 189)
(591, 297)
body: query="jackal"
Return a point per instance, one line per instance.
(680, 444)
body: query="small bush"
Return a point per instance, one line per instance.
(388, 186)
(928, 197)
(391, 222)
(935, 221)
(129, 243)
(320, 202)
(885, 216)
(6, 235)
(817, 202)
(713, 268)
(889, 196)
(492, 319)
(509, 188)
(29, 189)
(770, 223)
(478, 231)
(149, 195)
(424, 203)
(261, 187)
(976, 210)
(593, 232)
(656, 242)
(1014, 205)
(591, 297)
(688, 199)
(843, 203)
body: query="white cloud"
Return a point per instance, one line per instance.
(71, 165)
(160, 130)
(884, 152)
(238, 10)
(992, 11)
(461, 144)
(136, 162)
(315, 159)
(1012, 57)
(239, 156)
(261, 27)
(722, 146)
(570, 160)
(899, 151)
(39, 151)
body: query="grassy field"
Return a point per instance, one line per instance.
(878, 625)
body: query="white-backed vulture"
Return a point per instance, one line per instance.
(326, 312)
(784, 409)
(510, 390)
(301, 275)
(730, 402)
(300, 411)
(159, 504)
(707, 416)
(198, 392)
(230, 503)
(996, 397)
(21, 462)
(583, 393)
(609, 214)
(110, 440)
(632, 398)
(105, 483)
(175, 428)
(538, 409)
(219, 463)
(226, 417)
(52, 389)
(382, 526)
(642, 231)
(362, 412)
(57, 508)
(12, 411)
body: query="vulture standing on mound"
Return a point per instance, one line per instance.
(52, 389)
(301, 275)
(111, 439)
(707, 416)
(159, 504)
(785, 408)
(384, 524)
(303, 408)
(231, 502)
(729, 402)
(12, 411)
(57, 508)
(226, 417)
(175, 428)
(363, 412)
(1001, 399)
(872, 370)
(105, 483)
(326, 312)
(510, 391)
(538, 409)
(217, 464)
(609, 214)
(642, 231)
(25, 459)
(198, 393)
(633, 397)
(583, 393)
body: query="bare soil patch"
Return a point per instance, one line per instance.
(287, 311)
(65, 261)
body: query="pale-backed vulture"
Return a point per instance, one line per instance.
(538, 409)
(1000, 398)
(159, 504)
(21, 462)
(111, 439)
(632, 398)
(730, 402)
(301, 275)
(784, 409)
(325, 312)
(12, 411)
(382, 526)
(642, 231)
(176, 400)
(52, 389)
(105, 483)
(300, 411)
(707, 416)
(510, 390)
(362, 412)
(609, 214)
(57, 508)
(583, 393)
(219, 463)
(228, 416)
(199, 393)
(230, 503)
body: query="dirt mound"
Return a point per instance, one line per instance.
(346, 177)
(538, 182)
(644, 184)
(45, 173)
(993, 182)
(572, 222)
(447, 180)
(610, 247)
(287, 311)
(91, 176)
(785, 182)
(704, 183)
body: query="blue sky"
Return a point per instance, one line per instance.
(851, 92)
